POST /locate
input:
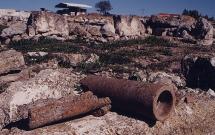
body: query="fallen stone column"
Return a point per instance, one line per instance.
(155, 101)
(65, 108)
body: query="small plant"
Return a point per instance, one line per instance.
(44, 44)
(152, 41)
(31, 60)
(114, 58)
(166, 51)
(156, 41)
(89, 67)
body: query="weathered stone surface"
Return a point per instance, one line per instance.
(103, 29)
(204, 32)
(169, 22)
(214, 33)
(49, 23)
(185, 120)
(79, 30)
(23, 75)
(94, 30)
(11, 60)
(199, 71)
(186, 35)
(37, 54)
(14, 29)
(172, 26)
(129, 26)
(92, 58)
(183, 26)
(47, 84)
(166, 78)
(16, 38)
(149, 30)
(108, 30)
(70, 59)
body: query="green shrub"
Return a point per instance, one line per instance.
(157, 41)
(152, 41)
(166, 51)
(89, 67)
(44, 44)
(31, 60)
(114, 58)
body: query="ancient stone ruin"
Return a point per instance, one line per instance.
(91, 74)
(95, 27)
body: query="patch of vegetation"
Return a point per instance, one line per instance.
(44, 44)
(157, 41)
(114, 58)
(166, 52)
(31, 60)
(89, 67)
(162, 66)
(151, 41)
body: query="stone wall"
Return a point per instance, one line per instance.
(95, 27)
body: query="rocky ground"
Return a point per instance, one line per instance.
(42, 72)
(46, 63)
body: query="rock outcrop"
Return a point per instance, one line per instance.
(101, 28)
(128, 26)
(95, 27)
(184, 27)
(14, 29)
(204, 32)
(184, 121)
(11, 60)
(199, 71)
(165, 78)
(47, 84)
(47, 23)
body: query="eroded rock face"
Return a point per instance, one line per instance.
(199, 71)
(171, 22)
(100, 28)
(70, 59)
(128, 26)
(49, 23)
(47, 84)
(14, 29)
(108, 30)
(11, 60)
(166, 78)
(204, 32)
(184, 27)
